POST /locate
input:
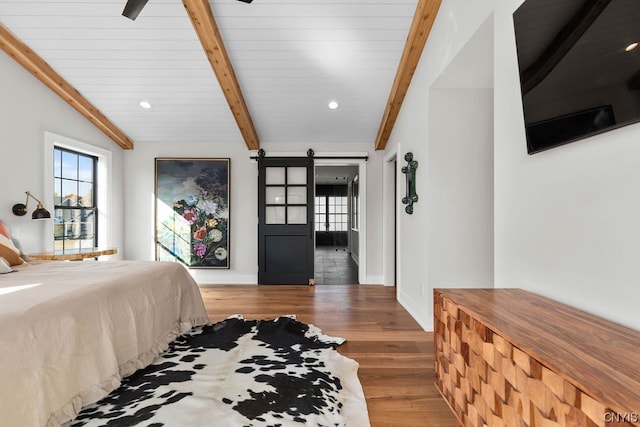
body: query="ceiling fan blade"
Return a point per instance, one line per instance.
(133, 7)
(246, 1)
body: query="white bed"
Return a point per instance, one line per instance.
(69, 331)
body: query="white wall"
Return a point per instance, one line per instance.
(449, 132)
(139, 229)
(139, 202)
(27, 110)
(459, 188)
(565, 220)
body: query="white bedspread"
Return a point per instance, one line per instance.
(69, 331)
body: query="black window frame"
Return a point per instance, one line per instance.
(93, 210)
(322, 211)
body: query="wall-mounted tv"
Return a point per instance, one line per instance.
(579, 70)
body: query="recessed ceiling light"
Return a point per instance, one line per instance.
(333, 105)
(145, 104)
(631, 47)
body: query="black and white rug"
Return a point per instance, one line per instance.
(236, 373)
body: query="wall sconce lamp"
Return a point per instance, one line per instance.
(20, 209)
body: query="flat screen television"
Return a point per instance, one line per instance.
(579, 70)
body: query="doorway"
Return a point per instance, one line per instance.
(336, 225)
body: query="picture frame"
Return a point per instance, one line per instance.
(192, 211)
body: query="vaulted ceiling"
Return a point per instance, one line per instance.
(224, 70)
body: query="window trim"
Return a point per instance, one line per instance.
(104, 199)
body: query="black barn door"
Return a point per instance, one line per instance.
(285, 214)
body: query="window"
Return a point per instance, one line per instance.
(338, 216)
(331, 213)
(74, 198)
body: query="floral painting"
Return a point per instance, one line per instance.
(192, 211)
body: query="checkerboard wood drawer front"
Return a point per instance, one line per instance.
(488, 380)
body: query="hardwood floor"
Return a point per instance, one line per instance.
(395, 354)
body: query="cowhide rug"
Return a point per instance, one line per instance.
(240, 373)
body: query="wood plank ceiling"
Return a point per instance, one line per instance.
(290, 58)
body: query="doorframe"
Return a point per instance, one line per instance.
(391, 254)
(362, 195)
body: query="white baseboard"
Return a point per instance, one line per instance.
(373, 280)
(203, 278)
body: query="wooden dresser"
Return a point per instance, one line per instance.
(508, 357)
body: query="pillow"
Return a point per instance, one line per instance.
(8, 250)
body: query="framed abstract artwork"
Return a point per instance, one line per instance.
(192, 211)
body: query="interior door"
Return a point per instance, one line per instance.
(285, 215)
